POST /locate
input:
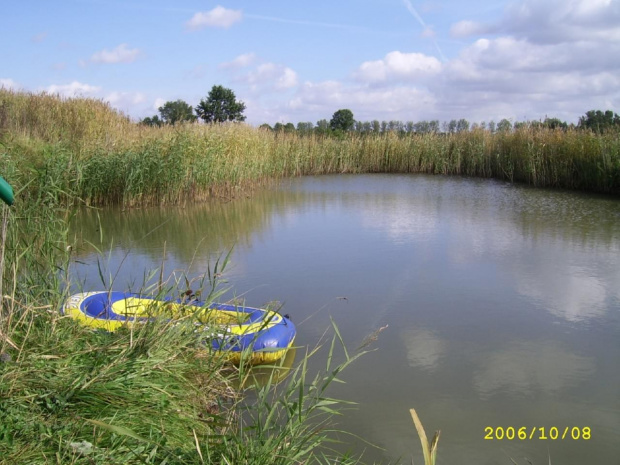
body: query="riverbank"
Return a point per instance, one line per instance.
(101, 157)
(151, 394)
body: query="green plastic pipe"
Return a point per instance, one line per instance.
(6, 192)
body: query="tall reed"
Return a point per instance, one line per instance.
(105, 158)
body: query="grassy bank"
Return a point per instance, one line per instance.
(154, 394)
(103, 157)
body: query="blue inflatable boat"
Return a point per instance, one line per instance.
(233, 329)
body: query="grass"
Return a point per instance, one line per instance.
(147, 394)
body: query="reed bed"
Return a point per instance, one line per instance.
(107, 159)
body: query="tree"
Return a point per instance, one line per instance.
(305, 127)
(504, 126)
(152, 121)
(322, 126)
(220, 105)
(598, 121)
(177, 112)
(343, 120)
(462, 125)
(422, 127)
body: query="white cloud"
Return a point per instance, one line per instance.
(8, 83)
(552, 21)
(73, 89)
(122, 99)
(159, 102)
(242, 61)
(468, 28)
(217, 17)
(287, 79)
(271, 75)
(399, 66)
(367, 103)
(120, 54)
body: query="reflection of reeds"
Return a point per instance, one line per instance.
(84, 144)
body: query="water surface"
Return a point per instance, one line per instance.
(502, 302)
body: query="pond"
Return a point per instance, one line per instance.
(500, 304)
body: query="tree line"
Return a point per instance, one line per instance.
(221, 105)
(343, 121)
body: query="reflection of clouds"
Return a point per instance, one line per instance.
(400, 218)
(424, 349)
(544, 270)
(574, 296)
(481, 236)
(526, 367)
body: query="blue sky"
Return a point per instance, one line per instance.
(294, 61)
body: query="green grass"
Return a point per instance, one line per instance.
(151, 394)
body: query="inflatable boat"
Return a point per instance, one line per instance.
(254, 334)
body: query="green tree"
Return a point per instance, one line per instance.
(220, 105)
(422, 127)
(322, 127)
(305, 127)
(452, 126)
(504, 126)
(462, 125)
(152, 121)
(599, 121)
(177, 112)
(343, 120)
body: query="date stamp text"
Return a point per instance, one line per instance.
(543, 433)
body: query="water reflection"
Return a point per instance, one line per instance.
(568, 292)
(400, 218)
(527, 368)
(424, 349)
